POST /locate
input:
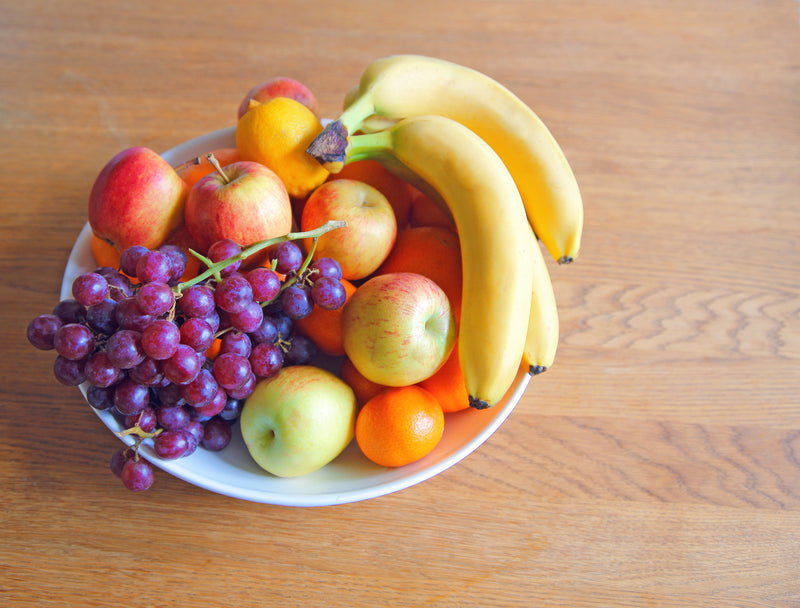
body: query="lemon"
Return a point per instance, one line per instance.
(276, 134)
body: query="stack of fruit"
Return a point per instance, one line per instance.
(206, 309)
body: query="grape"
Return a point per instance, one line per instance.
(287, 255)
(236, 342)
(214, 320)
(70, 311)
(128, 315)
(124, 348)
(266, 332)
(183, 366)
(201, 390)
(266, 359)
(147, 373)
(154, 267)
(216, 434)
(198, 334)
(155, 298)
(130, 397)
(245, 390)
(118, 460)
(99, 370)
(137, 475)
(73, 341)
(173, 418)
(283, 324)
(296, 302)
(197, 301)
(231, 370)
(42, 330)
(177, 261)
(101, 317)
(119, 286)
(301, 351)
(160, 339)
(146, 419)
(248, 319)
(233, 293)
(100, 398)
(194, 434)
(222, 250)
(232, 409)
(265, 283)
(213, 407)
(170, 445)
(325, 267)
(129, 258)
(68, 372)
(89, 288)
(328, 293)
(171, 394)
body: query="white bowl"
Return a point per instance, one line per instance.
(349, 478)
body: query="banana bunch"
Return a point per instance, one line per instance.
(478, 150)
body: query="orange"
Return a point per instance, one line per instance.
(399, 426)
(447, 384)
(197, 168)
(276, 134)
(213, 350)
(424, 212)
(431, 251)
(105, 254)
(364, 388)
(324, 327)
(396, 191)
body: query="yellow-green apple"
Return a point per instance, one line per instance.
(280, 86)
(244, 201)
(398, 328)
(136, 199)
(362, 245)
(298, 420)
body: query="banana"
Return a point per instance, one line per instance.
(400, 86)
(541, 340)
(496, 241)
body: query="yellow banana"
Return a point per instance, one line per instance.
(399, 86)
(541, 341)
(496, 242)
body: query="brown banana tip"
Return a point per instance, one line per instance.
(330, 146)
(478, 404)
(566, 259)
(535, 370)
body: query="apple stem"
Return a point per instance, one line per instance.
(215, 163)
(215, 269)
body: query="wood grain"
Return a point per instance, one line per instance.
(656, 464)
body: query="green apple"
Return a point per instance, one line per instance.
(298, 420)
(398, 328)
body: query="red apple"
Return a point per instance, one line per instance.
(244, 201)
(280, 86)
(362, 245)
(137, 199)
(398, 328)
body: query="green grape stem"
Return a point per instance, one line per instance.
(215, 268)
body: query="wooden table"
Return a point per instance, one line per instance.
(656, 464)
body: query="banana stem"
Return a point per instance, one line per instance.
(330, 147)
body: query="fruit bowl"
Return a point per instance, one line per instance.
(349, 478)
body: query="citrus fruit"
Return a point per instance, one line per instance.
(105, 254)
(424, 212)
(364, 388)
(447, 384)
(399, 426)
(324, 327)
(276, 134)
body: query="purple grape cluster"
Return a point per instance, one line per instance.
(141, 347)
